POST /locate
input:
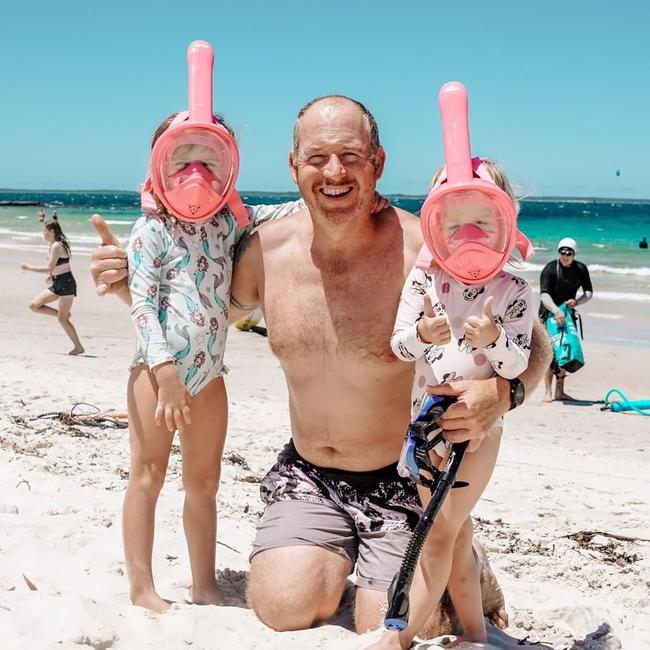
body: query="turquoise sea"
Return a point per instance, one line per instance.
(607, 232)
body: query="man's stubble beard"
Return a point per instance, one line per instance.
(343, 216)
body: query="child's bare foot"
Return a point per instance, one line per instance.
(150, 600)
(209, 596)
(76, 351)
(467, 641)
(388, 641)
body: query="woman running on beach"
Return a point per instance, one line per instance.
(62, 285)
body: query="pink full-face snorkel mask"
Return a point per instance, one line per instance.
(469, 224)
(194, 163)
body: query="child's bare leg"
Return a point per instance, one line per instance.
(437, 553)
(202, 447)
(465, 586)
(150, 446)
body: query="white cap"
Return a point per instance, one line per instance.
(567, 242)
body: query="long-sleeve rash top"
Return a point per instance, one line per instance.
(507, 356)
(179, 277)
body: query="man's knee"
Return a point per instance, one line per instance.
(34, 306)
(295, 587)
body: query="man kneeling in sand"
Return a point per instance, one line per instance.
(329, 280)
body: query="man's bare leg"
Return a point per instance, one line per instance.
(369, 609)
(296, 587)
(548, 385)
(559, 387)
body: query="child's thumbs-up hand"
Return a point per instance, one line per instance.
(482, 331)
(431, 328)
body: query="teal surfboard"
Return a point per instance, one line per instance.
(566, 342)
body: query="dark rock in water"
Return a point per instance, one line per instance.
(31, 203)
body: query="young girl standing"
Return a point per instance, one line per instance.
(180, 264)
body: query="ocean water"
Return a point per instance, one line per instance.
(607, 233)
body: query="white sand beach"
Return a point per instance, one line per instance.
(565, 520)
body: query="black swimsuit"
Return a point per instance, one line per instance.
(63, 284)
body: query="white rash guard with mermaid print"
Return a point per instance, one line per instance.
(435, 364)
(179, 277)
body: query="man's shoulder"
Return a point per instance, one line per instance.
(411, 227)
(407, 217)
(280, 227)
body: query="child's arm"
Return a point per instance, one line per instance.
(55, 252)
(417, 327)
(146, 250)
(509, 353)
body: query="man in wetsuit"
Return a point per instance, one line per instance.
(559, 283)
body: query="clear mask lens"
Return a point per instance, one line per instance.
(197, 155)
(468, 217)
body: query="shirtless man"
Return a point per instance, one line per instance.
(329, 279)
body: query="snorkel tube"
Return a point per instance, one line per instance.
(422, 435)
(473, 262)
(187, 194)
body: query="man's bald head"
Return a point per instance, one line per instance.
(373, 131)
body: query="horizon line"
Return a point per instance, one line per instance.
(546, 197)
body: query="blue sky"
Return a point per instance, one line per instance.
(559, 91)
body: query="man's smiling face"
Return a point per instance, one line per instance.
(334, 165)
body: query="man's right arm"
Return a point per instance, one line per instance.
(246, 277)
(109, 266)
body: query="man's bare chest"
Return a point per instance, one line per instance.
(348, 310)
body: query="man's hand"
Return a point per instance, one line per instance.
(109, 262)
(559, 318)
(431, 328)
(173, 399)
(25, 267)
(479, 402)
(481, 332)
(571, 303)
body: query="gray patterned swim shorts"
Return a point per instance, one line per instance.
(366, 517)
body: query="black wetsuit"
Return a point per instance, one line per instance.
(562, 282)
(63, 284)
